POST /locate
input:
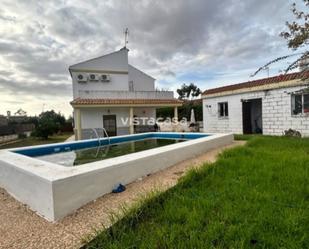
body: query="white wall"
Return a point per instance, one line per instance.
(141, 81)
(276, 113)
(93, 117)
(120, 74)
(117, 61)
(118, 82)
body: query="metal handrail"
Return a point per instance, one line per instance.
(99, 141)
(109, 140)
(97, 134)
(125, 94)
(98, 137)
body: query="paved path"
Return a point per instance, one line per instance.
(71, 138)
(22, 228)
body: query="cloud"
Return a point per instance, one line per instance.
(205, 41)
(33, 88)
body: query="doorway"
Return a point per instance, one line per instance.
(252, 116)
(110, 124)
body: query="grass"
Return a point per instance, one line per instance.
(246, 137)
(29, 141)
(256, 196)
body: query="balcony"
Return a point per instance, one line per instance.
(92, 94)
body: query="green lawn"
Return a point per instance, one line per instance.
(256, 196)
(37, 141)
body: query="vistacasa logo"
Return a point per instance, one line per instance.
(151, 121)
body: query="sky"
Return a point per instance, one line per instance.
(206, 42)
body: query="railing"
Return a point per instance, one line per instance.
(99, 141)
(98, 137)
(93, 94)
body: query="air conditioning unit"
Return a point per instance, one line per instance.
(105, 78)
(93, 77)
(82, 78)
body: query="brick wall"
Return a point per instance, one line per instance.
(276, 113)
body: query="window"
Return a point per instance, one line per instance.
(223, 109)
(131, 86)
(300, 104)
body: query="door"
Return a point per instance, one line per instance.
(246, 117)
(110, 124)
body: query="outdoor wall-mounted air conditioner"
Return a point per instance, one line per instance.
(93, 77)
(105, 78)
(82, 78)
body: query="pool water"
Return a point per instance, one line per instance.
(88, 155)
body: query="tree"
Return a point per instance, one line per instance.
(298, 33)
(297, 37)
(49, 123)
(188, 91)
(21, 112)
(184, 111)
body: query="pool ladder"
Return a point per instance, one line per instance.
(99, 140)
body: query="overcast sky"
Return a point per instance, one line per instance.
(211, 43)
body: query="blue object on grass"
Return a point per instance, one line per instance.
(120, 188)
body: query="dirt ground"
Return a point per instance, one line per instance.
(22, 228)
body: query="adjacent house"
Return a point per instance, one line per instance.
(108, 93)
(268, 106)
(3, 120)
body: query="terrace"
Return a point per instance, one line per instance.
(97, 94)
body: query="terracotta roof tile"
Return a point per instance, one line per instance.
(260, 82)
(80, 101)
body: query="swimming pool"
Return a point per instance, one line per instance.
(91, 150)
(47, 182)
(78, 157)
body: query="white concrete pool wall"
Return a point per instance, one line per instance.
(54, 191)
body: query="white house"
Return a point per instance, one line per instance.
(109, 93)
(269, 106)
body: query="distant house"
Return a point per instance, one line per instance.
(3, 120)
(18, 117)
(268, 106)
(107, 91)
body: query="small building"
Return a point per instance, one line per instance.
(268, 106)
(19, 116)
(110, 93)
(3, 120)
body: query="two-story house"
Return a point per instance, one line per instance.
(110, 93)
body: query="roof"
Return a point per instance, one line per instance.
(256, 83)
(108, 102)
(141, 71)
(77, 65)
(193, 101)
(82, 62)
